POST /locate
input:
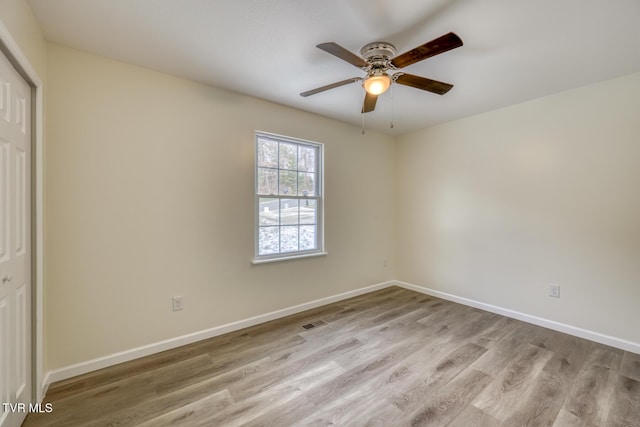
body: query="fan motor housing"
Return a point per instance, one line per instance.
(378, 51)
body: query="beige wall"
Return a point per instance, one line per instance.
(150, 189)
(18, 17)
(497, 206)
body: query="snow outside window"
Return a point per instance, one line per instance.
(288, 198)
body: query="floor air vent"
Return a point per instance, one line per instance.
(314, 324)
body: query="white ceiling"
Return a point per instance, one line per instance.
(514, 50)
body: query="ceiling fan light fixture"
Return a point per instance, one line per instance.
(378, 58)
(376, 84)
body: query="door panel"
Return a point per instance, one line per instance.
(21, 344)
(4, 199)
(5, 358)
(15, 251)
(20, 202)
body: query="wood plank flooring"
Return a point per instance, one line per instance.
(388, 358)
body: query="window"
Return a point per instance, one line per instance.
(288, 198)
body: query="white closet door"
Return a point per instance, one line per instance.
(15, 245)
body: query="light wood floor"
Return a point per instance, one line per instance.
(388, 358)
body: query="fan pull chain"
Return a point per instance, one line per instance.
(362, 114)
(391, 88)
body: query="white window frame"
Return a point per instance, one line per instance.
(319, 198)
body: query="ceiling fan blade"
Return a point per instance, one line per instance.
(434, 47)
(369, 103)
(331, 86)
(422, 83)
(336, 50)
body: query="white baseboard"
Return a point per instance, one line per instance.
(135, 353)
(125, 356)
(45, 386)
(620, 343)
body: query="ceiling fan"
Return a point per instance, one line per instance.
(378, 58)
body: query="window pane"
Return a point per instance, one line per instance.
(307, 159)
(308, 239)
(288, 156)
(306, 184)
(267, 181)
(289, 239)
(288, 182)
(268, 240)
(308, 211)
(267, 153)
(269, 212)
(289, 211)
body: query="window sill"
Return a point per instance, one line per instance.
(286, 258)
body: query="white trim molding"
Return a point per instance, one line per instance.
(12, 51)
(285, 258)
(620, 343)
(127, 355)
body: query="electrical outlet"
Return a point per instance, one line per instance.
(385, 263)
(177, 303)
(554, 290)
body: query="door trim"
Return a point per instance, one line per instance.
(14, 54)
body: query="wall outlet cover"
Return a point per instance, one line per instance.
(177, 303)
